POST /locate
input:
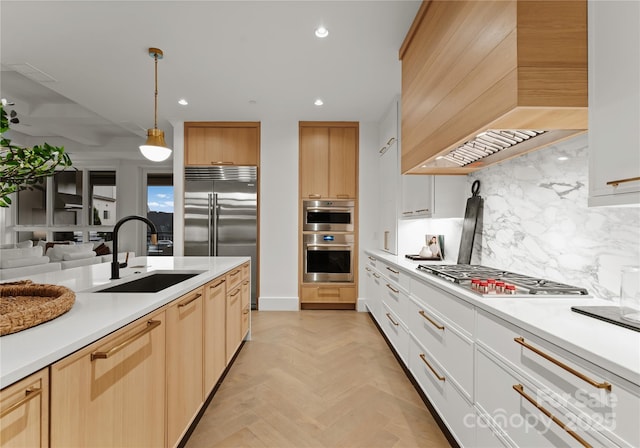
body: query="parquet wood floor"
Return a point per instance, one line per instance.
(316, 379)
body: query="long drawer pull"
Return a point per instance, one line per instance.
(376, 275)
(191, 300)
(424, 360)
(217, 284)
(422, 210)
(392, 288)
(615, 183)
(29, 394)
(520, 389)
(392, 270)
(372, 259)
(113, 350)
(582, 376)
(234, 273)
(235, 293)
(391, 319)
(434, 323)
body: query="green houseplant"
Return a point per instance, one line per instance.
(23, 168)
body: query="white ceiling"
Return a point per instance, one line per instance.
(233, 60)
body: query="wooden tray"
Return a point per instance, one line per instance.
(26, 304)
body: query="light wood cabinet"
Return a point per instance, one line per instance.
(24, 412)
(234, 320)
(246, 307)
(214, 332)
(328, 160)
(614, 102)
(222, 143)
(469, 66)
(328, 294)
(112, 392)
(184, 363)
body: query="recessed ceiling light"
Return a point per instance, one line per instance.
(182, 102)
(563, 158)
(318, 102)
(322, 32)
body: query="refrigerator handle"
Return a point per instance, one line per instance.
(213, 230)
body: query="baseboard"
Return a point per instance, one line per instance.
(278, 304)
(361, 305)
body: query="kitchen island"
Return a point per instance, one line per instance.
(481, 362)
(122, 368)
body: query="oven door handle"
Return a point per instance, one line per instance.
(330, 245)
(331, 209)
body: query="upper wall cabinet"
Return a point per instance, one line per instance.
(614, 103)
(475, 71)
(222, 143)
(328, 160)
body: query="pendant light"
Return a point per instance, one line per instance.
(155, 149)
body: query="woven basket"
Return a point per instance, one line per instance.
(26, 304)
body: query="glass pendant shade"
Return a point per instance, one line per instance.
(155, 149)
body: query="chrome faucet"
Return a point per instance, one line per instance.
(115, 264)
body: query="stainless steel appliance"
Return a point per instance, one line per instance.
(328, 257)
(332, 216)
(220, 214)
(491, 282)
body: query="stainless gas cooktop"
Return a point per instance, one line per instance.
(488, 281)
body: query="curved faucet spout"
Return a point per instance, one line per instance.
(115, 265)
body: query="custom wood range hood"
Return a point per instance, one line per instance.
(485, 81)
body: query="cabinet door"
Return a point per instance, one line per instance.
(215, 358)
(234, 318)
(231, 144)
(343, 162)
(417, 196)
(388, 177)
(184, 363)
(614, 102)
(112, 393)
(314, 162)
(24, 417)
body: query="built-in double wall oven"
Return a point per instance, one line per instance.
(328, 241)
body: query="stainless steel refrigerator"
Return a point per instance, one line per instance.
(220, 214)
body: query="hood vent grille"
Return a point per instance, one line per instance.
(488, 143)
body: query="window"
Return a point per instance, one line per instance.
(32, 205)
(160, 212)
(105, 215)
(67, 198)
(102, 191)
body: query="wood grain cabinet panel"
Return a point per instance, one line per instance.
(184, 363)
(215, 336)
(24, 412)
(234, 321)
(112, 393)
(469, 66)
(222, 143)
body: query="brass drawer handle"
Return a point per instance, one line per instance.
(342, 196)
(434, 323)
(392, 270)
(407, 213)
(29, 394)
(312, 196)
(193, 299)
(392, 289)
(234, 273)
(422, 210)
(376, 275)
(582, 376)
(391, 319)
(615, 183)
(235, 293)
(221, 163)
(391, 140)
(113, 350)
(372, 259)
(246, 282)
(383, 150)
(520, 389)
(424, 360)
(367, 269)
(217, 284)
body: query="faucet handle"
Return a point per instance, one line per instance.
(126, 261)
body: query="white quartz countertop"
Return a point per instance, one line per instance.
(614, 348)
(95, 315)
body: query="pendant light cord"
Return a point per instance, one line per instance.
(155, 108)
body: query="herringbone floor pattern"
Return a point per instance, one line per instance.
(316, 379)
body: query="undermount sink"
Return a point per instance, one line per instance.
(151, 283)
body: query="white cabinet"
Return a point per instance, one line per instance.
(389, 179)
(614, 102)
(426, 196)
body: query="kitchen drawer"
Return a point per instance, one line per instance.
(454, 409)
(521, 420)
(396, 299)
(395, 275)
(372, 261)
(448, 345)
(328, 294)
(617, 410)
(374, 302)
(396, 332)
(246, 271)
(234, 277)
(456, 310)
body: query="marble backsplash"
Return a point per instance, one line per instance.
(536, 221)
